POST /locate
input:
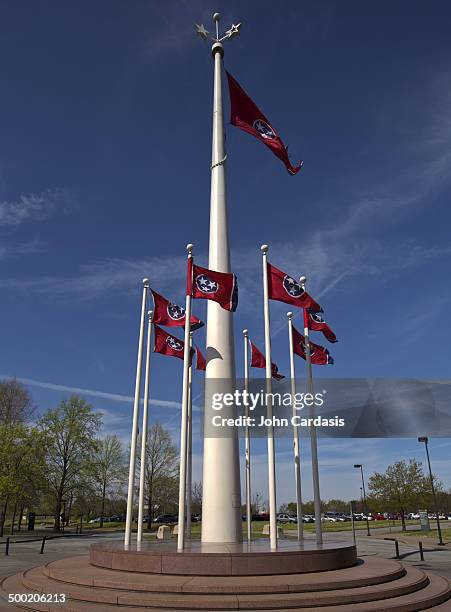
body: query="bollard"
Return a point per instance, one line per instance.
(420, 545)
(7, 546)
(397, 549)
(42, 545)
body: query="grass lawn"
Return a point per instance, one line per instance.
(290, 528)
(433, 533)
(257, 527)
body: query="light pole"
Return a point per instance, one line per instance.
(426, 440)
(358, 465)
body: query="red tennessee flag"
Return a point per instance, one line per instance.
(246, 115)
(201, 364)
(319, 355)
(317, 323)
(220, 287)
(284, 288)
(171, 315)
(166, 344)
(258, 361)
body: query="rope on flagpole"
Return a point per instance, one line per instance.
(219, 163)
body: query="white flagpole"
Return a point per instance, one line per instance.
(144, 433)
(297, 458)
(313, 438)
(269, 414)
(132, 469)
(247, 437)
(189, 458)
(184, 427)
(221, 498)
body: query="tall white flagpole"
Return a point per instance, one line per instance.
(297, 458)
(313, 437)
(144, 433)
(189, 445)
(269, 413)
(247, 441)
(132, 469)
(184, 427)
(221, 461)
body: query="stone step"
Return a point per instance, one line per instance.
(77, 570)
(433, 597)
(435, 593)
(413, 580)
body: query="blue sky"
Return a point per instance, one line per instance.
(105, 118)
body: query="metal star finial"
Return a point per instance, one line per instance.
(201, 31)
(232, 32)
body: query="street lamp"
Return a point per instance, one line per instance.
(358, 465)
(425, 440)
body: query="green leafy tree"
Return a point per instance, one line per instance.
(336, 505)
(308, 507)
(401, 487)
(109, 470)
(71, 429)
(22, 465)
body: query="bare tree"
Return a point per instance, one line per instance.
(16, 405)
(161, 465)
(108, 469)
(196, 498)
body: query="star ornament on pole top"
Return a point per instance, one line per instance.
(232, 32)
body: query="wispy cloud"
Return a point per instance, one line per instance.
(351, 245)
(25, 248)
(114, 397)
(34, 207)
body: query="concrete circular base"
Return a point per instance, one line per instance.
(242, 559)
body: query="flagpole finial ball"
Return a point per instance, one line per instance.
(245, 332)
(189, 248)
(290, 315)
(146, 282)
(216, 17)
(264, 248)
(302, 280)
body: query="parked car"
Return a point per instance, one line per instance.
(96, 520)
(117, 518)
(378, 516)
(330, 517)
(286, 518)
(166, 518)
(261, 516)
